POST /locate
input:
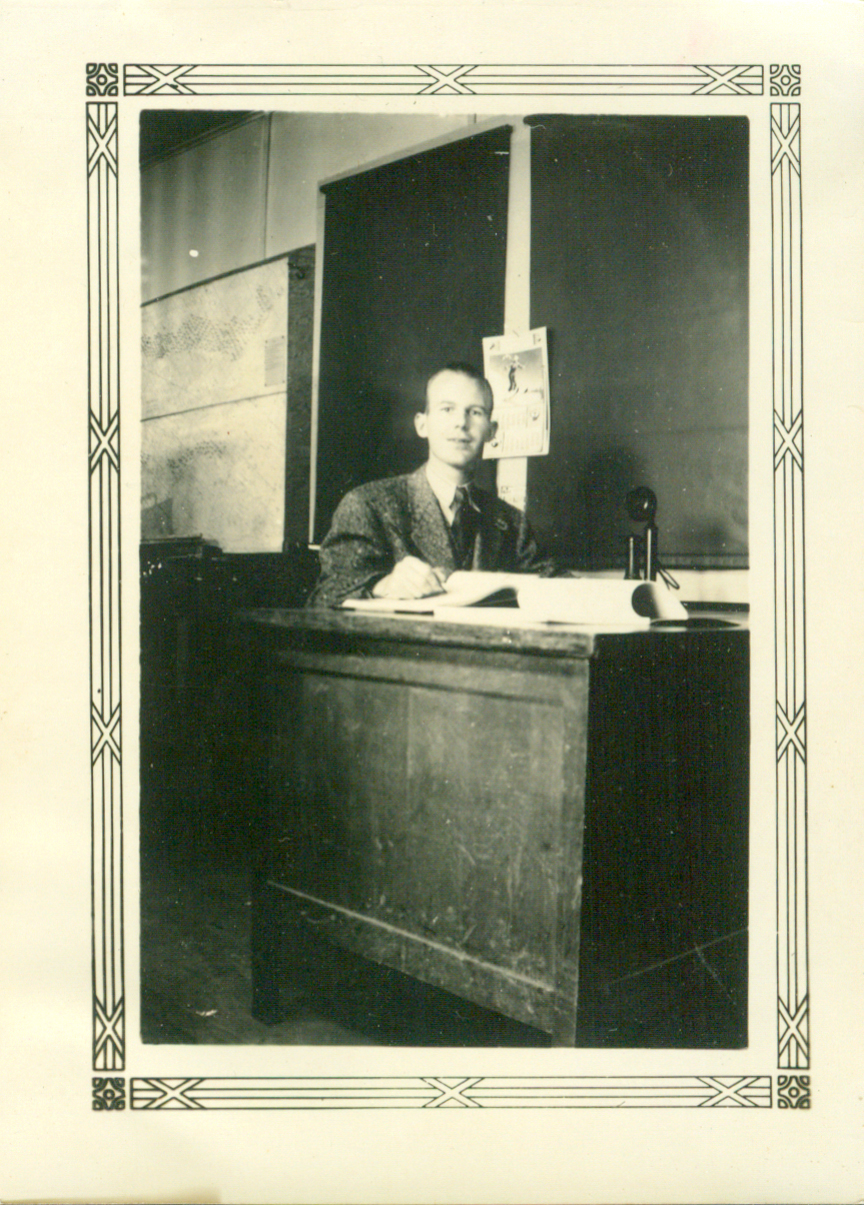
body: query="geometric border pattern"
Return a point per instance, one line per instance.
(109, 1095)
(456, 1092)
(785, 79)
(104, 476)
(102, 79)
(792, 969)
(793, 1091)
(461, 80)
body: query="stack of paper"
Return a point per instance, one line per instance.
(601, 601)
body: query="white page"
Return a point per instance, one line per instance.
(55, 1146)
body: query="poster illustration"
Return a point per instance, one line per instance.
(517, 368)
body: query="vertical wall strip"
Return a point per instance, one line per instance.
(511, 476)
(104, 515)
(792, 968)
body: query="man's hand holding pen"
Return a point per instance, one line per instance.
(410, 578)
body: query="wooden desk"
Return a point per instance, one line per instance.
(548, 821)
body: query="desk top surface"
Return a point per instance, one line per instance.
(486, 628)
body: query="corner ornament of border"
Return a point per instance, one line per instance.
(102, 79)
(109, 1095)
(793, 1091)
(785, 80)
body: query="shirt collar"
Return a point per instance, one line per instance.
(443, 489)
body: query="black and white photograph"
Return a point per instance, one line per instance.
(532, 824)
(433, 691)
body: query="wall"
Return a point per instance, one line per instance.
(209, 199)
(251, 192)
(228, 467)
(214, 393)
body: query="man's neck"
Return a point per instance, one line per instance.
(446, 472)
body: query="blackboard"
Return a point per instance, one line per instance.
(639, 270)
(413, 277)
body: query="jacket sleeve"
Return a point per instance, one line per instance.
(528, 556)
(354, 555)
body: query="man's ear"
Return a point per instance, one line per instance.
(493, 431)
(420, 423)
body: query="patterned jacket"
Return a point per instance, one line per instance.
(378, 524)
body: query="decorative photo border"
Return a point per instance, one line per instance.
(790, 1088)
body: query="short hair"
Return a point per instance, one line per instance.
(466, 370)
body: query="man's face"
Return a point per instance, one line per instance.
(456, 421)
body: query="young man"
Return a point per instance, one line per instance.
(402, 537)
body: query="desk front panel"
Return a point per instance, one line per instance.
(428, 812)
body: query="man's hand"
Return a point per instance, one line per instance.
(411, 578)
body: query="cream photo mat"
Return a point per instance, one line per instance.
(60, 1147)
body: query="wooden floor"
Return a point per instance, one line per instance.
(197, 986)
(196, 922)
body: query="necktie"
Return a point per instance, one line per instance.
(464, 526)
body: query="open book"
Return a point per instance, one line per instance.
(592, 599)
(464, 588)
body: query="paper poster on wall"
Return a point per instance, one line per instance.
(214, 407)
(517, 368)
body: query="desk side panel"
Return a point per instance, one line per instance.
(664, 916)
